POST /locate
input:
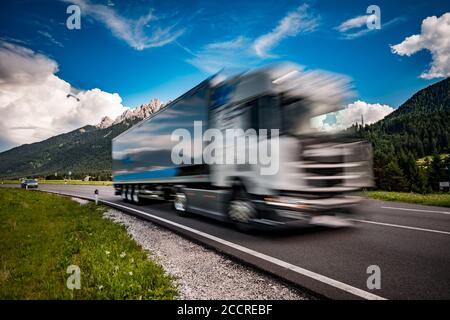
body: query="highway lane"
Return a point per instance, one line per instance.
(415, 264)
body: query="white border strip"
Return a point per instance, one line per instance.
(402, 227)
(418, 210)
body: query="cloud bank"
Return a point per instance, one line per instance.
(351, 115)
(34, 102)
(435, 37)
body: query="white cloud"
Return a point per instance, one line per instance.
(360, 23)
(51, 38)
(34, 103)
(233, 55)
(292, 24)
(351, 115)
(435, 37)
(240, 53)
(140, 34)
(352, 23)
(231, 44)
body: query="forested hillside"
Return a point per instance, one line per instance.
(82, 152)
(420, 127)
(85, 151)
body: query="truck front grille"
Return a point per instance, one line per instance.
(326, 183)
(326, 165)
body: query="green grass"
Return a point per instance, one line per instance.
(74, 182)
(432, 199)
(42, 234)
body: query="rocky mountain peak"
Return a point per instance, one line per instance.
(105, 123)
(141, 112)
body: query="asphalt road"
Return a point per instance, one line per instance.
(409, 243)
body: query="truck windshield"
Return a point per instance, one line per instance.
(292, 116)
(295, 115)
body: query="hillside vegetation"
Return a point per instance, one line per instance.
(418, 128)
(85, 151)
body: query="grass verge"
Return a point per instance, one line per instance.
(41, 235)
(432, 199)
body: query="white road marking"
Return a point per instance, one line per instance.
(402, 227)
(418, 210)
(334, 283)
(316, 276)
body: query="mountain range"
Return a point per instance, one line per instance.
(81, 152)
(420, 127)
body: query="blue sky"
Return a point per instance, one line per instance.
(94, 57)
(128, 52)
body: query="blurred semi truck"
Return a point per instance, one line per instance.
(311, 176)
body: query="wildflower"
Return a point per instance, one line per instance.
(100, 287)
(107, 253)
(123, 254)
(130, 273)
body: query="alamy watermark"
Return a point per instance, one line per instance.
(233, 146)
(374, 20)
(74, 280)
(73, 22)
(374, 280)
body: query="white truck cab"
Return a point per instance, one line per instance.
(300, 174)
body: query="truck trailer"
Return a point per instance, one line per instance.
(270, 114)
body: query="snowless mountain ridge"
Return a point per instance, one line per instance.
(141, 112)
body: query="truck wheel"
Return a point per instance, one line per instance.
(241, 210)
(135, 196)
(129, 194)
(180, 203)
(123, 194)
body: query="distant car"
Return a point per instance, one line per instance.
(29, 183)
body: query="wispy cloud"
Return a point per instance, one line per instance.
(231, 44)
(299, 20)
(241, 52)
(51, 38)
(145, 32)
(356, 22)
(233, 55)
(360, 23)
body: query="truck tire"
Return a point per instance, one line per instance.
(135, 196)
(241, 209)
(180, 203)
(123, 194)
(129, 194)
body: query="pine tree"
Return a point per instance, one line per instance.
(395, 178)
(434, 172)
